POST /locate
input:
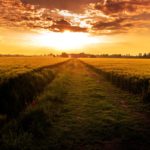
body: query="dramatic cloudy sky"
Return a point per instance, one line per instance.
(95, 26)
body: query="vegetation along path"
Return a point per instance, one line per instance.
(80, 110)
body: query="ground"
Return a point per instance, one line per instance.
(86, 112)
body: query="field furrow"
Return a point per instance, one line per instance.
(80, 110)
(132, 75)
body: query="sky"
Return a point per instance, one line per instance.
(92, 26)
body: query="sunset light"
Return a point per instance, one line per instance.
(90, 26)
(64, 41)
(74, 74)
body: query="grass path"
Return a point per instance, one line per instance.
(88, 113)
(97, 115)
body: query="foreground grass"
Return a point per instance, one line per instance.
(80, 110)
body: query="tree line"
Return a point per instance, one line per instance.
(84, 55)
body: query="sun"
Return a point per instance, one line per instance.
(66, 40)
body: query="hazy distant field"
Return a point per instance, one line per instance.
(10, 66)
(132, 67)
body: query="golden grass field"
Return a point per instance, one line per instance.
(74, 105)
(132, 67)
(132, 75)
(10, 66)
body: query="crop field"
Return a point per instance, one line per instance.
(129, 67)
(11, 66)
(74, 104)
(129, 74)
(21, 78)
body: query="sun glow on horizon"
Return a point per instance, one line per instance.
(64, 40)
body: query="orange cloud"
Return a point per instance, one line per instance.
(98, 17)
